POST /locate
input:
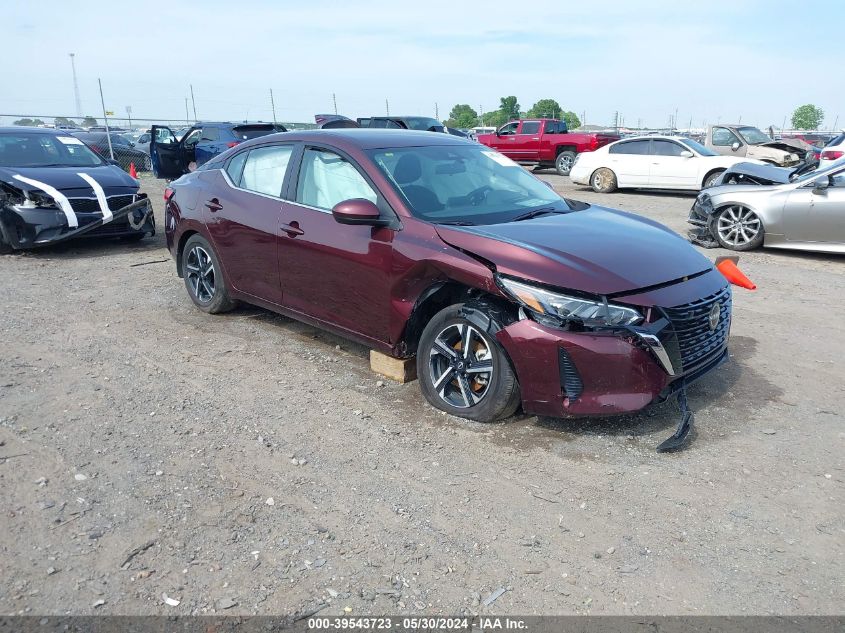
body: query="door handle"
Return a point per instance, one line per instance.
(214, 205)
(292, 229)
(536, 138)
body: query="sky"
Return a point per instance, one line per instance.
(748, 60)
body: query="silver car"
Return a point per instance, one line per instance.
(807, 213)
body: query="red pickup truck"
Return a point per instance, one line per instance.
(544, 143)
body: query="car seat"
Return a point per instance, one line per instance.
(408, 170)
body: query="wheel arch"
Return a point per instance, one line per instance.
(183, 239)
(715, 170)
(565, 148)
(441, 295)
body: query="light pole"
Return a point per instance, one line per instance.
(75, 86)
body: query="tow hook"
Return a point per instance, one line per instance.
(679, 438)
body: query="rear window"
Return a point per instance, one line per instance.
(246, 132)
(630, 147)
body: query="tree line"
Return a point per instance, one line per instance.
(464, 116)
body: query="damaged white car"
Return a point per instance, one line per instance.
(54, 188)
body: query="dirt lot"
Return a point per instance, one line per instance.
(249, 464)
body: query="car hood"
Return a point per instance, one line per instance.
(763, 171)
(733, 191)
(600, 251)
(67, 180)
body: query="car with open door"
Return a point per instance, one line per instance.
(172, 154)
(435, 247)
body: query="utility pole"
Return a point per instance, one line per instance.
(436, 111)
(386, 107)
(334, 101)
(105, 118)
(616, 121)
(481, 114)
(75, 86)
(187, 118)
(273, 106)
(194, 103)
(129, 114)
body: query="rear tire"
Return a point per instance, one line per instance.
(204, 277)
(711, 178)
(603, 180)
(564, 162)
(451, 357)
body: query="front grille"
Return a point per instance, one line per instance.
(91, 205)
(698, 344)
(118, 227)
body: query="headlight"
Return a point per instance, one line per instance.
(568, 308)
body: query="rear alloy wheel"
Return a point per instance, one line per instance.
(711, 178)
(148, 164)
(603, 180)
(203, 277)
(463, 370)
(564, 162)
(738, 228)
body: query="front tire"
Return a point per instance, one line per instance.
(738, 228)
(463, 370)
(603, 180)
(204, 277)
(564, 162)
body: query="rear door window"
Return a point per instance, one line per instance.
(210, 134)
(631, 147)
(264, 169)
(551, 127)
(325, 179)
(235, 168)
(665, 148)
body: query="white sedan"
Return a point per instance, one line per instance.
(651, 162)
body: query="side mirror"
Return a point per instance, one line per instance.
(686, 154)
(820, 184)
(497, 133)
(358, 211)
(735, 146)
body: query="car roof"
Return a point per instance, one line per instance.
(650, 137)
(23, 128)
(367, 138)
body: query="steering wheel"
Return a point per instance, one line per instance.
(477, 196)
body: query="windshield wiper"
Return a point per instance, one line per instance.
(536, 213)
(457, 223)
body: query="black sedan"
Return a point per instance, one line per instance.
(54, 188)
(124, 150)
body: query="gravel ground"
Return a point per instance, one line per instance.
(247, 463)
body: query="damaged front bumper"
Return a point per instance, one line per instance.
(701, 219)
(572, 374)
(26, 227)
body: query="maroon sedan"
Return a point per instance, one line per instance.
(430, 245)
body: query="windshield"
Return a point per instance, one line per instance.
(20, 149)
(836, 166)
(753, 135)
(458, 184)
(698, 147)
(246, 132)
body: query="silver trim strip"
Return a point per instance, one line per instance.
(659, 351)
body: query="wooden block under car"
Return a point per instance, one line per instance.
(399, 369)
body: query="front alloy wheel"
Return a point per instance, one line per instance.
(463, 369)
(738, 228)
(460, 365)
